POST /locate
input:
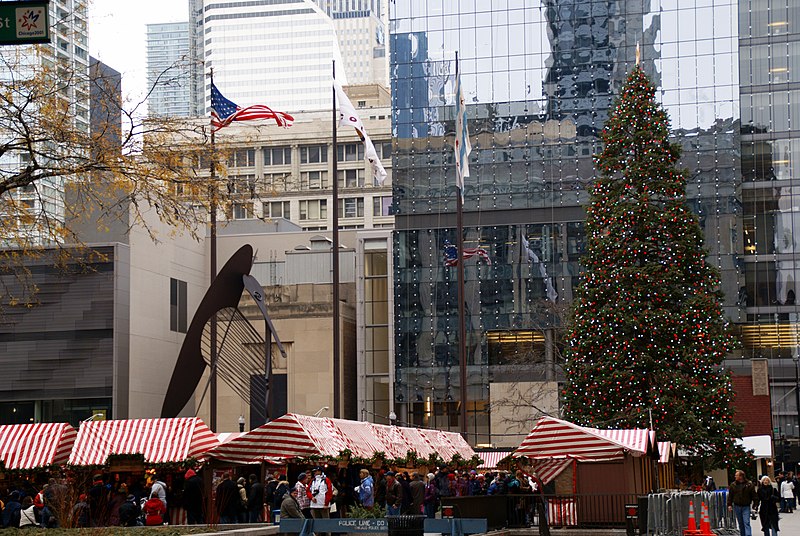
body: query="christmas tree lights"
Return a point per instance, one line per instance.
(647, 337)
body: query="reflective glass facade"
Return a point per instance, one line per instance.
(539, 79)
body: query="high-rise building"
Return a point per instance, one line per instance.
(66, 57)
(276, 52)
(168, 72)
(361, 31)
(539, 81)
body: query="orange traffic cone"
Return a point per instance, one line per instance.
(705, 522)
(691, 530)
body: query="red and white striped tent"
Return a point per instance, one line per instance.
(159, 440)
(301, 436)
(554, 438)
(546, 469)
(26, 446)
(493, 457)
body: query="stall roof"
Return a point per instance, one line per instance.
(159, 440)
(301, 436)
(492, 457)
(554, 438)
(25, 446)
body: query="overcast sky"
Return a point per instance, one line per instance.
(117, 36)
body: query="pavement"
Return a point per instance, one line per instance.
(789, 525)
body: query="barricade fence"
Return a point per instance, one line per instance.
(668, 512)
(597, 510)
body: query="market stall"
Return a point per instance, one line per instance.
(301, 436)
(592, 462)
(124, 449)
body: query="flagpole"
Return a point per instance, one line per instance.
(462, 330)
(335, 258)
(213, 275)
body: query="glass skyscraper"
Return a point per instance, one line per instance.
(168, 69)
(539, 79)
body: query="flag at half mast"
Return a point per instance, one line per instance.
(224, 112)
(349, 117)
(462, 146)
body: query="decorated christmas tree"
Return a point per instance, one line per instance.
(647, 337)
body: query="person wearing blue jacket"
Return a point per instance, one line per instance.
(366, 490)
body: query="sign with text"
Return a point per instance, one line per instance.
(24, 23)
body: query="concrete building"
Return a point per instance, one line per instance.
(539, 81)
(168, 71)
(286, 173)
(295, 270)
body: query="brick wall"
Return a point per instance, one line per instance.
(753, 411)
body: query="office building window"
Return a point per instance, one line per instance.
(177, 305)
(277, 209)
(350, 152)
(382, 205)
(313, 209)
(241, 211)
(277, 156)
(314, 180)
(242, 158)
(351, 178)
(352, 207)
(313, 154)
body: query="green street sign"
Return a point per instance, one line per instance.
(24, 23)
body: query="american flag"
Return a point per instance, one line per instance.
(451, 255)
(224, 112)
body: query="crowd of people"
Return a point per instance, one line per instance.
(313, 493)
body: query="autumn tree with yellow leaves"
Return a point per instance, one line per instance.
(56, 175)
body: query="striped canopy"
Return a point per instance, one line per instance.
(25, 446)
(492, 457)
(554, 438)
(301, 436)
(159, 440)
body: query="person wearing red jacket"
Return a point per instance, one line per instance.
(154, 511)
(320, 493)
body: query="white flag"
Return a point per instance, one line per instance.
(461, 145)
(349, 117)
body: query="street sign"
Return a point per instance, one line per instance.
(24, 23)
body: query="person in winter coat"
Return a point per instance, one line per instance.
(366, 490)
(80, 512)
(11, 511)
(302, 497)
(741, 494)
(241, 484)
(290, 508)
(767, 504)
(154, 511)
(320, 493)
(193, 498)
(255, 500)
(787, 496)
(394, 494)
(280, 492)
(430, 500)
(157, 489)
(417, 491)
(27, 515)
(227, 501)
(129, 512)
